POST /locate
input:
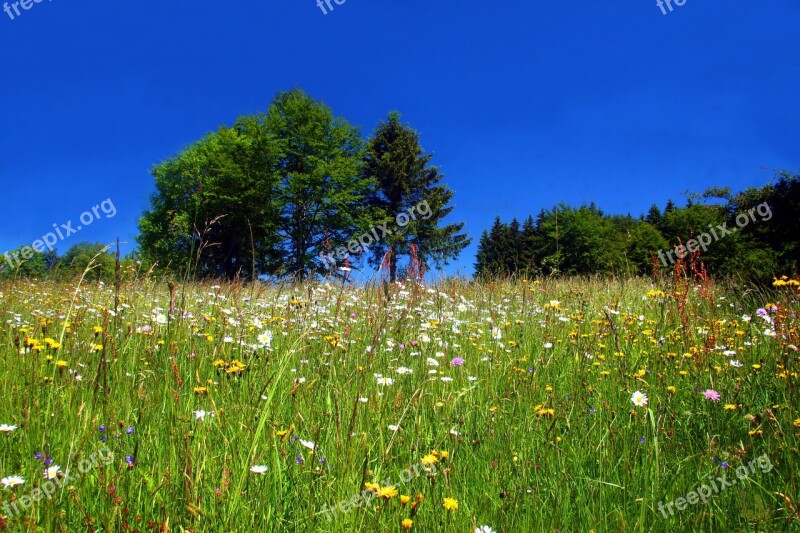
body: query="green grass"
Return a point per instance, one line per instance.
(510, 464)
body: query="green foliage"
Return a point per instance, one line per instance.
(278, 192)
(36, 265)
(92, 258)
(755, 234)
(407, 184)
(320, 192)
(213, 211)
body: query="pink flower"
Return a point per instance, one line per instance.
(712, 395)
(458, 361)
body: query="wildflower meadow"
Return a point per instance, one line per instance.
(527, 405)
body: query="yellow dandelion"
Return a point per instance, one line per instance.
(730, 407)
(429, 460)
(387, 492)
(405, 499)
(451, 504)
(407, 523)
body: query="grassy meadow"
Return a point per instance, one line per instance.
(456, 407)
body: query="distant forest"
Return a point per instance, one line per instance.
(755, 233)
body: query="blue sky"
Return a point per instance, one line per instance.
(523, 104)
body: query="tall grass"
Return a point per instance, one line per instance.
(537, 425)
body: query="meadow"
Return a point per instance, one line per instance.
(527, 405)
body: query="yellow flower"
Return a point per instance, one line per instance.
(62, 364)
(672, 389)
(797, 423)
(407, 523)
(405, 499)
(756, 366)
(429, 460)
(451, 504)
(444, 454)
(730, 407)
(387, 492)
(200, 390)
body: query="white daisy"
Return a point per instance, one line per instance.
(51, 472)
(639, 399)
(12, 481)
(258, 469)
(265, 339)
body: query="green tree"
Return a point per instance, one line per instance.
(321, 191)
(36, 265)
(92, 258)
(409, 190)
(262, 197)
(212, 212)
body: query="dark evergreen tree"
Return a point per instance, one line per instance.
(410, 199)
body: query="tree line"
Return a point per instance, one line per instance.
(279, 192)
(285, 193)
(754, 233)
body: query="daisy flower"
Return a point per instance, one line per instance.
(639, 399)
(258, 469)
(5, 428)
(385, 381)
(484, 529)
(265, 339)
(51, 472)
(12, 481)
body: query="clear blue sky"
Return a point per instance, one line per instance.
(523, 103)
